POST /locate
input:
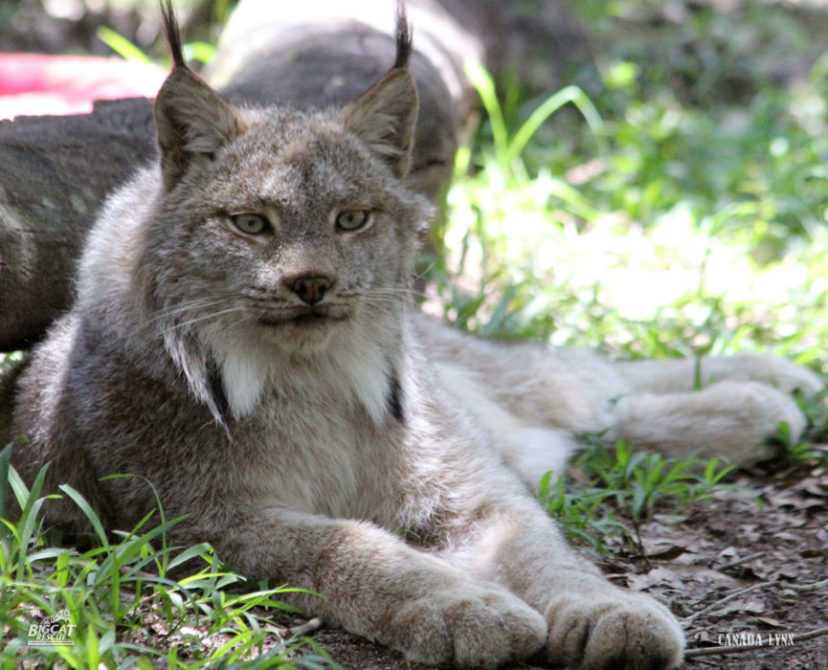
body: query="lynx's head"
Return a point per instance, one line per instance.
(278, 231)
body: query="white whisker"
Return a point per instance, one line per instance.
(202, 303)
(205, 317)
(393, 291)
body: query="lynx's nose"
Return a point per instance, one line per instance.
(310, 288)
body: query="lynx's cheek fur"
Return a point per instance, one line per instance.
(274, 386)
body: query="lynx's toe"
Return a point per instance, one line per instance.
(469, 628)
(618, 630)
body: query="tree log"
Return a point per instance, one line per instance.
(54, 173)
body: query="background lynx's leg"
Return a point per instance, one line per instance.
(592, 623)
(666, 376)
(728, 418)
(376, 586)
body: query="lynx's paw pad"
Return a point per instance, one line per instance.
(470, 626)
(613, 629)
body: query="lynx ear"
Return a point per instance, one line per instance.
(191, 118)
(385, 115)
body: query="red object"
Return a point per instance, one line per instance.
(35, 84)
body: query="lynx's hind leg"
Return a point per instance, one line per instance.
(728, 418)
(529, 450)
(667, 376)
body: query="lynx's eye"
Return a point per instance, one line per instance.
(250, 224)
(353, 219)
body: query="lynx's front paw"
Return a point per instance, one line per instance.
(468, 626)
(609, 628)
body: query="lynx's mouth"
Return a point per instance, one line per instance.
(307, 318)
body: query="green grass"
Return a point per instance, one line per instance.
(193, 51)
(124, 606)
(718, 249)
(618, 483)
(646, 225)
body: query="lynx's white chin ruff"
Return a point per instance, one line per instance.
(378, 459)
(356, 367)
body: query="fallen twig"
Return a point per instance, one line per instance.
(306, 628)
(704, 610)
(807, 587)
(740, 561)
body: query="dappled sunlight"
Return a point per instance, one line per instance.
(501, 235)
(671, 226)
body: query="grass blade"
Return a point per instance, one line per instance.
(90, 514)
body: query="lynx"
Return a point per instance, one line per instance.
(243, 342)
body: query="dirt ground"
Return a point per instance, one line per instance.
(737, 569)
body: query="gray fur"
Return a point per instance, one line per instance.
(300, 440)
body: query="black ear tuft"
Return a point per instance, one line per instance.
(192, 120)
(385, 115)
(403, 37)
(172, 33)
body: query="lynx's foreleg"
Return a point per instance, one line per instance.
(375, 585)
(591, 622)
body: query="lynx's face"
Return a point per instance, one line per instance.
(289, 230)
(281, 238)
(282, 226)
